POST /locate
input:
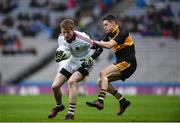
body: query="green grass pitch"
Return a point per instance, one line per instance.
(142, 109)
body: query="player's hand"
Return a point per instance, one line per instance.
(87, 62)
(59, 56)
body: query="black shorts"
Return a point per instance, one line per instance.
(126, 67)
(67, 74)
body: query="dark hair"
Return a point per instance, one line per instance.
(110, 18)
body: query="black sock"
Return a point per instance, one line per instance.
(102, 96)
(117, 95)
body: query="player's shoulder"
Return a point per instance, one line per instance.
(123, 31)
(60, 37)
(61, 40)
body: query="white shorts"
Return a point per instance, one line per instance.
(72, 64)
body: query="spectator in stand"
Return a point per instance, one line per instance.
(7, 6)
(10, 39)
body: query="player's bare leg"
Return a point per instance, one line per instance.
(99, 104)
(57, 83)
(72, 84)
(123, 103)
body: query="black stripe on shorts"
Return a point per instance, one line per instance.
(66, 73)
(83, 71)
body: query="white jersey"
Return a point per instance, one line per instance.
(80, 47)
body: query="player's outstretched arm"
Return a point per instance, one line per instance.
(108, 44)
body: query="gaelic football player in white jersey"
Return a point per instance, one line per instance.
(84, 51)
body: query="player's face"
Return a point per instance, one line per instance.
(68, 34)
(108, 26)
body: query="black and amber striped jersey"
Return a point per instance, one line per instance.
(124, 50)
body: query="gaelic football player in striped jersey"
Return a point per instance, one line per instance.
(120, 41)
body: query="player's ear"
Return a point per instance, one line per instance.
(113, 22)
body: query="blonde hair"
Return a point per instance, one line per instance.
(67, 24)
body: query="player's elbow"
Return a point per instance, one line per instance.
(109, 46)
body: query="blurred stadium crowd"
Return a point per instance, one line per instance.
(160, 18)
(42, 17)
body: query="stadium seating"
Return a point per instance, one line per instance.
(12, 66)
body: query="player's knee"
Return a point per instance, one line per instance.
(99, 82)
(71, 83)
(102, 74)
(55, 87)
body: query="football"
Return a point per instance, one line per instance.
(65, 50)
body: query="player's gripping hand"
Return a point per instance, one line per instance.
(87, 62)
(59, 55)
